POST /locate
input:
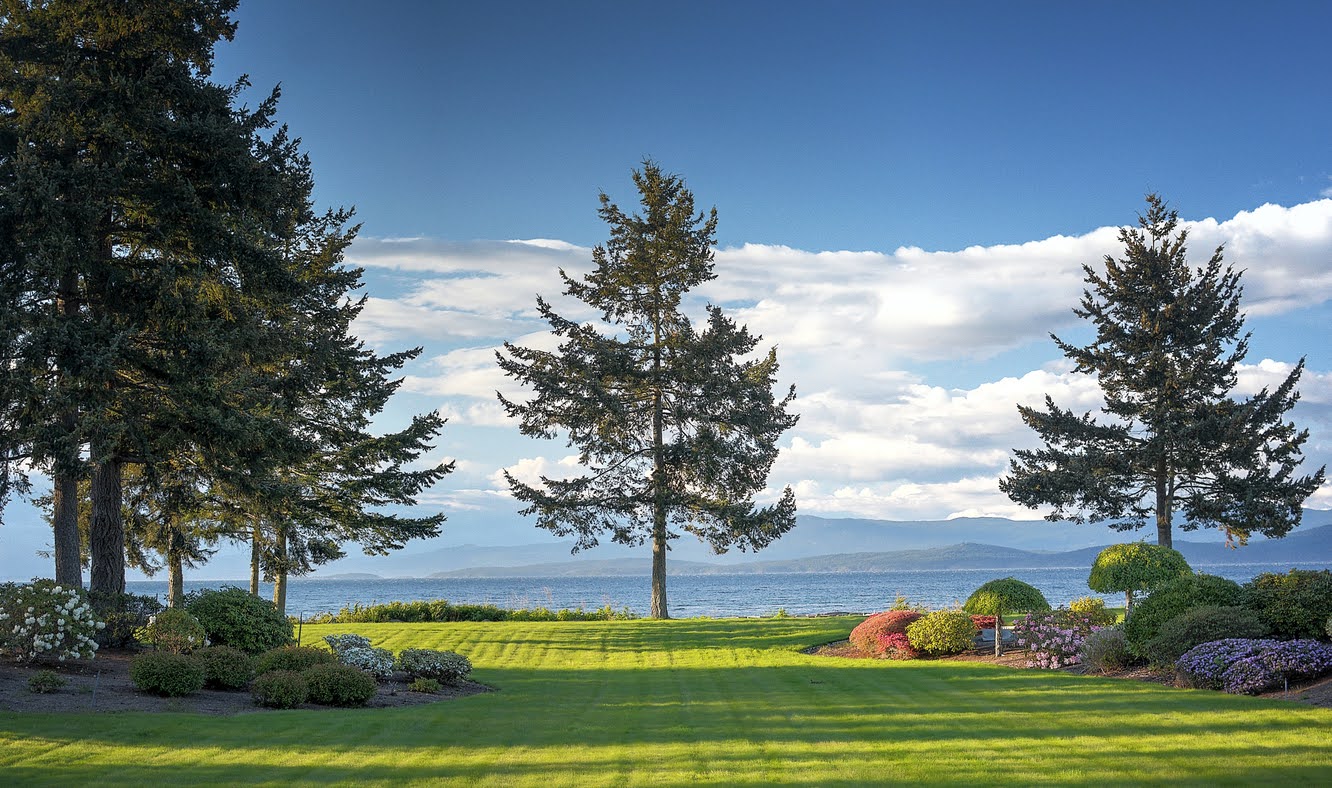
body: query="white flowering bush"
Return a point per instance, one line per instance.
(41, 620)
(378, 662)
(444, 666)
(340, 643)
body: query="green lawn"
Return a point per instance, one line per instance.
(712, 701)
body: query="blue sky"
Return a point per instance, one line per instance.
(906, 195)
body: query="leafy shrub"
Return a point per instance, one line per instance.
(898, 646)
(870, 636)
(293, 658)
(225, 667)
(340, 643)
(173, 630)
(1173, 598)
(236, 618)
(441, 610)
(164, 673)
(1106, 650)
(1296, 604)
(1093, 609)
(123, 614)
(445, 666)
(280, 689)
(1134, 567)
(984, 622)
(1201, 625)
(1329, 627)
(43, 620)
(378, 662)
(942, 632)
(1054, 639)
(428, 686)
(44, 682)
(339, 685)
(1246, 666)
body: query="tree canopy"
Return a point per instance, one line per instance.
(1174, 438)
(1005, 595)
(677, 427)
(1134, 567)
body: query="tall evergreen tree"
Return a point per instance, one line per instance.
(1165, 355)
(677, 428)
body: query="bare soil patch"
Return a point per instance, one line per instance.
(103, 685)
(1317, 692)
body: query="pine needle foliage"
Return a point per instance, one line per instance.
(676, 427)
(1168, 343)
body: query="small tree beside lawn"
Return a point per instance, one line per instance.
(1136, 566)
(1005, 595)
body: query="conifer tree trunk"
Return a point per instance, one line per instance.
(65, 520)
(106, 536)
(280, 570)
(1163, 537)
(658, 517)
(175, 578)
(254, 558)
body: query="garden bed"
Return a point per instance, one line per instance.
(103, 685)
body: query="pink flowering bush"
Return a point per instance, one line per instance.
(1244, 666)
(1053, 639)
(874, 635)
(983, 622)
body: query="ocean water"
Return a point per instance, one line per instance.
(697, 595)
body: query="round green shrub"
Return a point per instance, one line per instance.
(942, 632)
(234, 617)
(281, 689)
(445, 666)
(339, 685)
(1173, 598)
(164, 673)
(1092, 608)
(226, 668)
(428, 686)
(1296, 604)
(871, 635)
(173, 630)
(44, 682)
(1106, 650)
(1006, 595)
(294, 658)
(1201, 625)
(1135, 567)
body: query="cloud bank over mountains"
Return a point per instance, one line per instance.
(908, 364)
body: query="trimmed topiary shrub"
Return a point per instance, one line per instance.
(164, 673)
(444, 666)
(1247, 667)
(872, 636)
(1174, 598)
(294, 658)
(173, 630)
(225, 668)
(123, 614)
(1093, 609)
(1005, 595)
(1295, 605)
(339, 685)
(1135, 567)
(237, 618)
(1201, 625)
(942, 632)
(281, 689)
(1106, 650)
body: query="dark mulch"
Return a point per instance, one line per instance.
(1315, 693)
(103, 685)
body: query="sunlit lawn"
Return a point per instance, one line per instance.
(679, 702)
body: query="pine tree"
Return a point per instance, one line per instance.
(1165, 355)
(677, 428)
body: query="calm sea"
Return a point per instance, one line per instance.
(697, 595)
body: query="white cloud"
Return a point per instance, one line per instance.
(529, 471)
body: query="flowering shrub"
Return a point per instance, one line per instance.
(1093, 609)
(378, 662)
(942, 632)
(281, 689)
(173, 630)
(41, 620)
(340, 643)
(1247, 666)
(339, 685)
(1053, 639)
(872, 636)
(1106, 650)
(444, 666)
(164, 673)
(983, 622)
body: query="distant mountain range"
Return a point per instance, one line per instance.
(819, 544)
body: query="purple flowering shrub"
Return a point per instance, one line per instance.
(1244, 666)
(1054, 639)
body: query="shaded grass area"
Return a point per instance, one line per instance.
(721, 701)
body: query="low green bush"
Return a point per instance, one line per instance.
(873, 635)
(1173, 598)
(339, 685)
(1295, 604)
(1201, 625)
(226, 668)
(44, 682)
(164, 673)
(1106, 650)
(1093, 609)
(428, 686)
(234, 617)
(173, 630)
(441, 610)
(280, 689)
(294, 658)
(942, 632)
(444, 666)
